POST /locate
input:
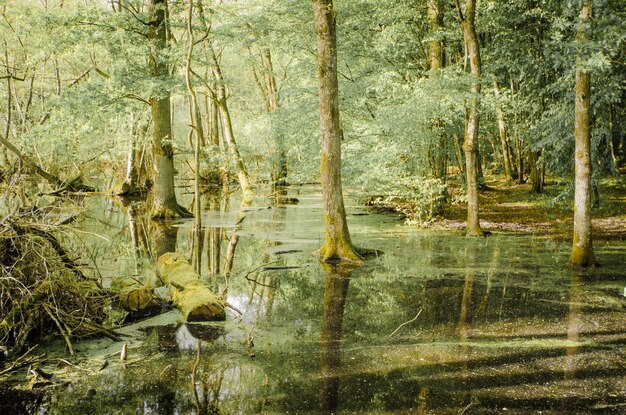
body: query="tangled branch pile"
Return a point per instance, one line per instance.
(42, 290)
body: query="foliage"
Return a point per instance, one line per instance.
(398, 118)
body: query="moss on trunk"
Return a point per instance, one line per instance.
(190, 294)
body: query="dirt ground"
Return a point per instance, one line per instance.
(513, 208)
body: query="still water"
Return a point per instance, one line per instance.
(438, 324)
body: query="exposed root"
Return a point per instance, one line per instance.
(339, 251)
(171, 212)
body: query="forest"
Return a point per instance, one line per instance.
(324, 206)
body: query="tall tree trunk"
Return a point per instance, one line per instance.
(582, 247)
(435, 64)
(435, 25)
(7, 130)
(536, 175)
(337, 246)
(195, 129)
(164, 194)
(504, 135)
(132, 169)
(215, 124)
(229, 135)
(470, 146)
(279, 168)
(268, 89)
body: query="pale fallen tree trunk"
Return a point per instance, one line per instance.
(190, 294)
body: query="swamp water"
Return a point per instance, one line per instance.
(439, 324)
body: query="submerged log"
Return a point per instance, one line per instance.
(190, 294)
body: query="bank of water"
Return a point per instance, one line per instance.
(438, 324)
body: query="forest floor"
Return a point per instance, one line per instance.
(514, 208)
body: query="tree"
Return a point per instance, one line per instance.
(435, 64)
(470, 145)
(164, 194)
(582, 247)
(266, 81)
(337, 246)
(504, 135)
(221, 99)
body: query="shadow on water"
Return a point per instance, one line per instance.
(501, 322)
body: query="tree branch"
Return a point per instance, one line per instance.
(458, 8)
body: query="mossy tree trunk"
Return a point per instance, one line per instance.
(470, 145)
(164, 195)
(337, 246)
(189, 292)
(582, 248)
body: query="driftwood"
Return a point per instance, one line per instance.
(190, 294)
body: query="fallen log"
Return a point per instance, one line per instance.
(138, 299)
(190, 294)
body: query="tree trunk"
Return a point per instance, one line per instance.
(266, 81)
(50, 178)
(504, 136)
(470, 146)
(229, 135)
(190, 294)
(196, 129)
(279, 170)
(582, 248)
(5, 154)
(215, 126)
(536, 176)
(196, 122)
(164, 195)
(435, 64)
(435, 46)
(337, 246)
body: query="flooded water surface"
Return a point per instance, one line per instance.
(438, 324)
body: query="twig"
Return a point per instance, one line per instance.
(17, 364)
(76, 366)
(232, 307)
(277, 268)
(466, 408)
(406, 322)
(61, 330)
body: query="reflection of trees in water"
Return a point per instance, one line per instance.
(465, 314)
(165, 235)
(335, 292)
(574, 325)
(214, 234)
(206, 384)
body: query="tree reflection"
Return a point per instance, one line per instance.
(335, 292)
(574, 323)
(165, 236)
